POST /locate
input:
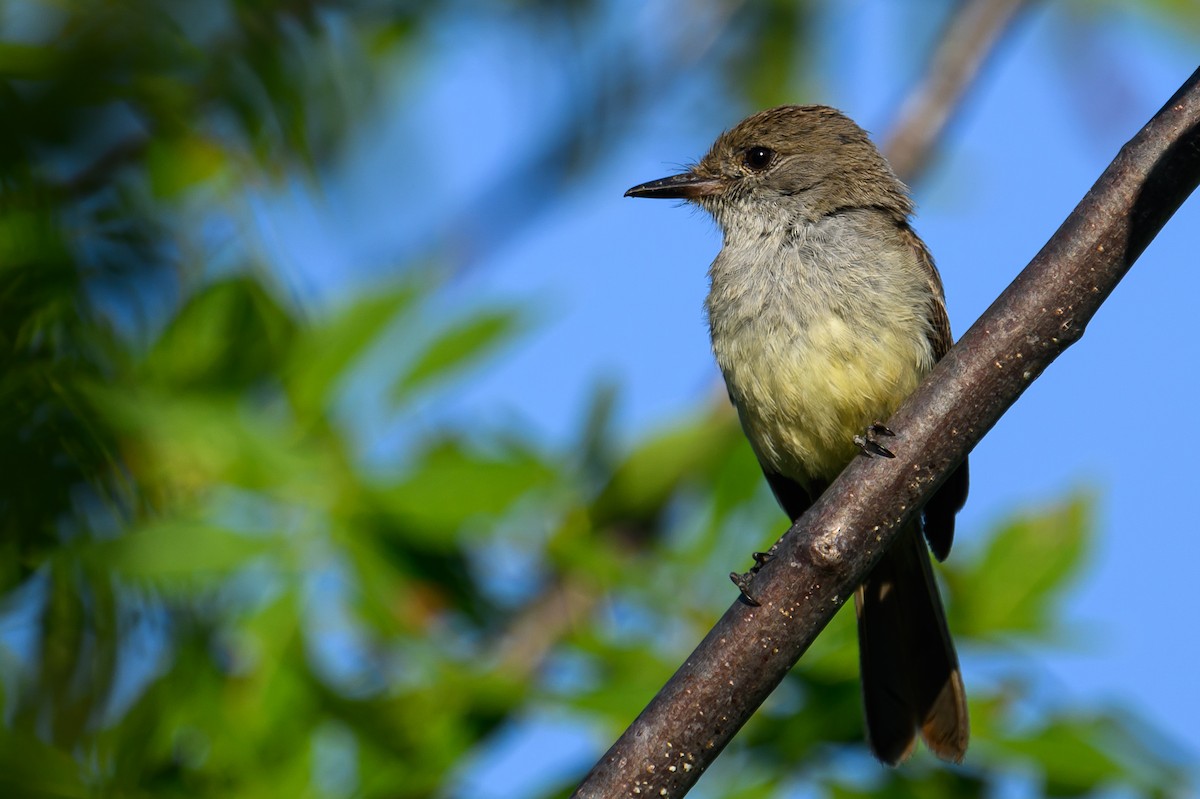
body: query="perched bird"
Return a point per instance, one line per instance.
(825, 311)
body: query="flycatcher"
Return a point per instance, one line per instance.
(825, 311)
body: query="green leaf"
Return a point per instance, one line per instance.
(29, 767)
(598, 429)
(641, 485)
(738, 475)
(1069, 755)
(325, 353)
(179, 165)
(452, 485)
(195, 349)
(1012, 587)
(175, 553)
(1078, 752)
(457, 347)
(1180, 17)
(188, 442)
(25, 60)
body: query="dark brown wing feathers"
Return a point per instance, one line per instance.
(941, 509)
(910, 674)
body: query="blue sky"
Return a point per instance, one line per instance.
(620, 286)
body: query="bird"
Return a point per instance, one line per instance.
(825, 311)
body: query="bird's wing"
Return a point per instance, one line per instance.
(942, 507)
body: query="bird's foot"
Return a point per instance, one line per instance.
(869, 444)
(743, 580)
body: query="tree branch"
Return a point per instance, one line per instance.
(969, 39)
(831, 549)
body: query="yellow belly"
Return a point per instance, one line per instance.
(802, 402)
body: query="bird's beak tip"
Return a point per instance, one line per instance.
(685, 186)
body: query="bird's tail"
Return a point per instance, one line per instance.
(910, 676)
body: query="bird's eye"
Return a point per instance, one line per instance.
(759, 158)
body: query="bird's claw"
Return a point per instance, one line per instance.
(742, 581)
(869, 446)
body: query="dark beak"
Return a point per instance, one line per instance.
(688, 186)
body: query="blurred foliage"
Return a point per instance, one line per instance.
(206, 592)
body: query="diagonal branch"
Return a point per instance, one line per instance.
(831, 549)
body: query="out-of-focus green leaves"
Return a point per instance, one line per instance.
(1074, 753)
(643, 482)
(19, 60)
(630, 678)
(457, 347)
(1178, 14)
(770, 73)
(186, 443)
(177, 166)
(1013, 585)
(455, 485)
(30, 767)
(940, 784)
(195, 351)
(597, 451)
(325, 353)
(174, 554)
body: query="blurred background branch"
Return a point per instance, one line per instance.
(970, 38)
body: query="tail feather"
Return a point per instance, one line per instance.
(910, 676)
